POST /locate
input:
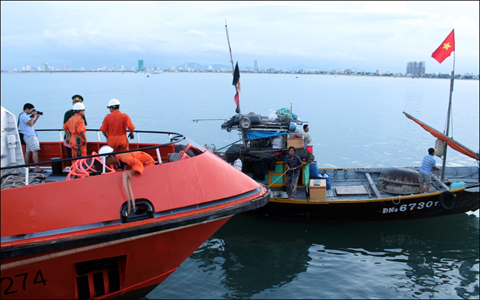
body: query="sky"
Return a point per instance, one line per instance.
(324, 35)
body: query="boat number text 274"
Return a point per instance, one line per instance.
(10, 283)
(409, 206)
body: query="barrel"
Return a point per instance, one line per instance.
(314, 170)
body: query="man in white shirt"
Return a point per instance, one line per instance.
(306, 137)
(27, 119)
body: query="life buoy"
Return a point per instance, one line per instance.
(447, 197)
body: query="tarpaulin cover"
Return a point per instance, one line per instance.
(255, 135)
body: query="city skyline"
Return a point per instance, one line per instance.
(413, 69)
(364, 36)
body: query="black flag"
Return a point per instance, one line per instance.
(236, 75)
(236, 83)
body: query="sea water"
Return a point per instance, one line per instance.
(354, 122)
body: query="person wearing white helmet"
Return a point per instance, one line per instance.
(68, 114)
(136, 161)
(75, 127)
(115, 126)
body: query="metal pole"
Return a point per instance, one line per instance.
(448, 117)
(236, 89)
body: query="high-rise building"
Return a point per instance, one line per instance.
(416, 68)
(45, 67)
(255, 66)
(140, 65)
(422, 68)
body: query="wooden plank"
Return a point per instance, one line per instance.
(365, 185)
(372, 184)
(351, 190)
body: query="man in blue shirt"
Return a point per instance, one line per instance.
(26, 121)
(428, 164)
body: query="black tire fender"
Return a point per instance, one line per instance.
(445, 198)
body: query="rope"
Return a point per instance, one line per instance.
(396, 203)
(12, 180)
(127, 187)
(82, 167)
(278, 178)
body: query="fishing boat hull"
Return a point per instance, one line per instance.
(370, 210)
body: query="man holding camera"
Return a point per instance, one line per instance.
(26, 120)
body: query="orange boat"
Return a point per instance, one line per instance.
(74, 236)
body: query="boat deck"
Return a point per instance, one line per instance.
(353, 184)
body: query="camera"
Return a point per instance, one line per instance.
(38, 112)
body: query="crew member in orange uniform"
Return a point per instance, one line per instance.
(115, 126)
(75, 126)
(134, 161)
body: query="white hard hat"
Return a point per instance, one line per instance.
(113, 102)
(79, 106)
(105, 150)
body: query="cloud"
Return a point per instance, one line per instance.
(195, 33)
(294, 31)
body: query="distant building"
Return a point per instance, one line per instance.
(45, 67)
(140, 65)
(255, 66)
(416, 68)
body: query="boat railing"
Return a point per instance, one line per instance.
(172, 135)
(174, 138)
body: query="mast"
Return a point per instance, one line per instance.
(236, 89)
(448, 117)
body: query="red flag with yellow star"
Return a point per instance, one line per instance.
(445, 49)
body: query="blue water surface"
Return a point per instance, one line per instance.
(354, 122)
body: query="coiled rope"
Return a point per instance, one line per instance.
(82, 167)
(12, 180)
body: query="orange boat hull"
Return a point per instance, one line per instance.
(136, 266)
(69, 239)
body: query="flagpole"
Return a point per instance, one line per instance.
(236, 89)
(448, 117)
